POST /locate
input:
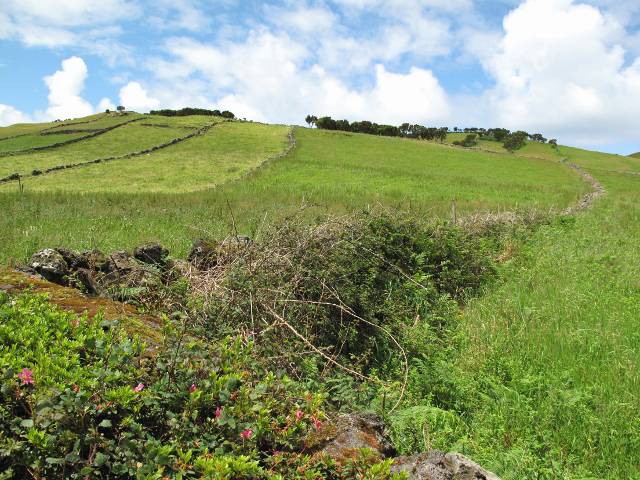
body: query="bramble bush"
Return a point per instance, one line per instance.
(79, 399)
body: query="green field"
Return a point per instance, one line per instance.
(539, 375)
(121, 141)
(34, 141)
(167, 195)
(199, 163)
(556, 345)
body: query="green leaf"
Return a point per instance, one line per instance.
(100, 459)
(106, 423)
(27, 423)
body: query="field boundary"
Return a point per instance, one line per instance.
(201, 131)
(68, 142)
(293, 143)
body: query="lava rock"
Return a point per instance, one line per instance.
(94, 260)
(436, 465)
(151, 253)
(51, 265)
(348, 434)
(75, 260)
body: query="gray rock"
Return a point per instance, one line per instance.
(85, 279)
(94, 260)
(203, 254)
(51, 265)
(435, 465)
(151, 253)
(75, 260)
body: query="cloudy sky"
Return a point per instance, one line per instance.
(567, 68)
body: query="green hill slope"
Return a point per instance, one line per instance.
(635, 155)
(169, 194)
(538, 375)
(555, 348)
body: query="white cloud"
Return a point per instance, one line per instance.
(179, 14)
(302, 18)
(65, 87)
(559, 68)
(271, 77)
(9, 115)
(68, 13)
(105, 104)
(133, 96)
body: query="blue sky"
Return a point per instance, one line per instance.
(569, 69)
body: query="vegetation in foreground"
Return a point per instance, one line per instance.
(536, 377)
(80, 400)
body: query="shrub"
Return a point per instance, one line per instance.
(79, 399)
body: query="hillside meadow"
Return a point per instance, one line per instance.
(167, 196)
(519, 338)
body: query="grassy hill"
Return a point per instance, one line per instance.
(635, 155)
(168, 194)
(536, 377)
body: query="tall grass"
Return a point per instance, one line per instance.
(553, 351)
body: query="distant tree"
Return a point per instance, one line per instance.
(471, 140)
(311, 120)
(537, 137)
(343, 125)
(515, 141)
(107, 111)
(498, 134)
(553, 142)
(326, 123)
(120, 108)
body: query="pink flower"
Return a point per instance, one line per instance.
(26, 376)
(218, 412)
(192, 388)
(316, 423)
(138, 388)
(246, 434)
(299, 415)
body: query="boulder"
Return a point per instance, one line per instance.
(75, 260)
(94, 260)
(85, 280)
(151, 253)
(435, 465)
(203, 254)
(51, 265)
(343, 438)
